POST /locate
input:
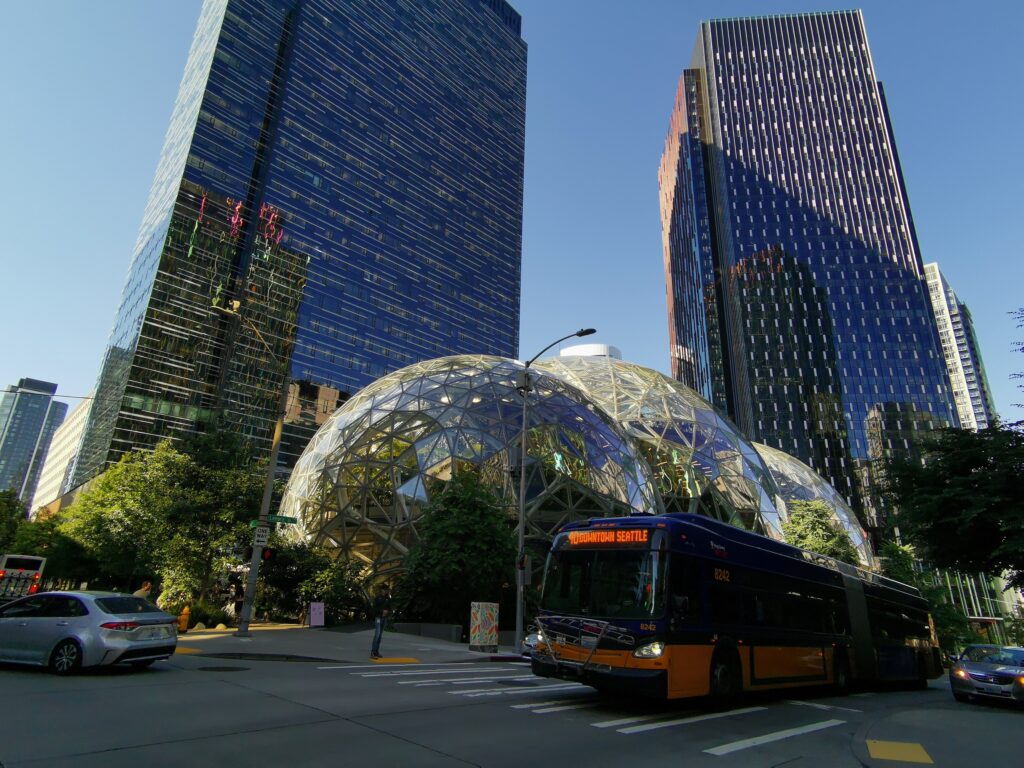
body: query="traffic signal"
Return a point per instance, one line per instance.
(268, 554)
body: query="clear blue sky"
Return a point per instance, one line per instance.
(88, 89)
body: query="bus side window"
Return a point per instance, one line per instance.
(684, 586)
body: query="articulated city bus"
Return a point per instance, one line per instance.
(681, 605)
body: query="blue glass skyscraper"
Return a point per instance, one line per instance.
(339, 195)
(28, 418)
(796, 295)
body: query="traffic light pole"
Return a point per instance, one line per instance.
(268, 491)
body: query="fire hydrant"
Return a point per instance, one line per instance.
(183, 620)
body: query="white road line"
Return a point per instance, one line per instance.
(563, 707)
(822, 706)
(531, 689)
(767, 738)
(688, 720)
(411, 673)
(624, 720)
(533, 704)
(464, 680)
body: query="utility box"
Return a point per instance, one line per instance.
(483, 627)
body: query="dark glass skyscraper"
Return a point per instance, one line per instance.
(28, 418)
(339, 195)
(796, 296)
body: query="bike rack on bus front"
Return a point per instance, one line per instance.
(580, 628)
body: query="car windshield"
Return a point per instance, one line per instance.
(990, 655)
(126, 604)
(605, 583)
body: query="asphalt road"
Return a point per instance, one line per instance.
(196, 710)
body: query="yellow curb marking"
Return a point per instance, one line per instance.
(396, 660)
(186, 649)
(908, 752)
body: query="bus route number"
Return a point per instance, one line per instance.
(722, 574)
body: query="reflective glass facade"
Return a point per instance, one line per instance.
(339, 195)
(28, 418)
(798, 302)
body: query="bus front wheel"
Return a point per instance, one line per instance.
(725, 679)
(841, 675)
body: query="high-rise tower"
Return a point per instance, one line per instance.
(796, 296)
(339, 194)
(971, 393)
(28, 418)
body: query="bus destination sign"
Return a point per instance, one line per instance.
(609, 536)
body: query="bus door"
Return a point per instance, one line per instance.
(863, 661)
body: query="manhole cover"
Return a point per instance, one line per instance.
(223, 669)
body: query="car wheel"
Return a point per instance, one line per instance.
(66, 658)
(142, 664)
(725, 680)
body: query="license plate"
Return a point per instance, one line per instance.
(153, 633)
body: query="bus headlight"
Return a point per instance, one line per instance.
(650, 651)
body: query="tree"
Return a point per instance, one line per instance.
(66, 559)
(167, 514)
(12, 514)
(962, 506)
(466, 553)
(340, 586)
(811, 526)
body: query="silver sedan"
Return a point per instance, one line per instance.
(66, 631)
(990, 671)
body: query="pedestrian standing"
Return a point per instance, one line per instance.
(381, 611)
(144, 590)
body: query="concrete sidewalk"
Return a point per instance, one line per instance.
(340, 645)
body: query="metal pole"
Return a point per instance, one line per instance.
(521, 528)
(268, 490)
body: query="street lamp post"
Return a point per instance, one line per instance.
(525, 386)
(268, 487)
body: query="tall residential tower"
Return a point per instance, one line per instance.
(971, 393)
(339, 195)
(795, 286)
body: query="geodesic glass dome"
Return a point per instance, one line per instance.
(700, 460)
(798, 482)
(364, 478)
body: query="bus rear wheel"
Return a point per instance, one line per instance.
(841, 675)
(725, 680)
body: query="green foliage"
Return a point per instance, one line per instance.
(209, 614)
(340, 586)
(963, 507)
(12, 514)
(1015, 630)
(66, 559)
(293, 565)
(810, 526)
(167, 515)
(466, 553)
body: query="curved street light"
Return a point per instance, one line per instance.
(524, 385)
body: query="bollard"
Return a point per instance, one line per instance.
(183, 620)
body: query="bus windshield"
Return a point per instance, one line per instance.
(619, 583)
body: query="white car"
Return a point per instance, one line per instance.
(66, 631)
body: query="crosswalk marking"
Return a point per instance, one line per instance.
(815, 705)
(415, 673)
(564, 707)
(531, 689)
(533, 704)
(688, 720)
(626, 721)
(465, 680)
(767, 738)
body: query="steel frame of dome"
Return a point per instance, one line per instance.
(364, 478)
(606, 438)
(798, 482)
